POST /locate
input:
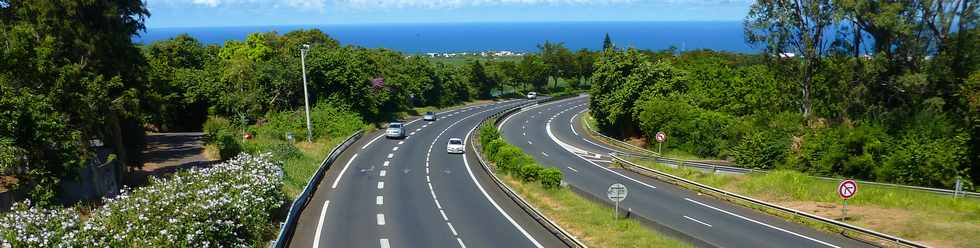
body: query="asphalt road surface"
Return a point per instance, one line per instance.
(410, 193)
(548, 133)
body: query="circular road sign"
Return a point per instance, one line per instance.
(847, 189)
(661, 137)
(617, 192)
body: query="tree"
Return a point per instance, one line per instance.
(71, 74)
(532, 71)
(798, 27)
(607, 43)
(558, 58)
(481, 78)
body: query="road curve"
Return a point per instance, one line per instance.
(548, 133)
(410, 193)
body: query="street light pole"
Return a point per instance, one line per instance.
(306, 93)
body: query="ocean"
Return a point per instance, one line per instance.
(517, 37)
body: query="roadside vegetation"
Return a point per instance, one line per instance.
(590, 222)
(899, 108)
(229, 204)
(933, 219)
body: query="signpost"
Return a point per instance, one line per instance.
(616, 193)
(661, 137)
(846, 189)
(958, 188)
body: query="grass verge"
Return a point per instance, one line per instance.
(590, 222)
(932, 219)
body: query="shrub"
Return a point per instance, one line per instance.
(550, 178)
(230, 204)
(760, 150)
(529, 172)
(327, 120)
(228, 145)
(215, 125)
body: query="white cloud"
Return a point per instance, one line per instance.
(468, 3)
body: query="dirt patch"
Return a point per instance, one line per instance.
(167, 153)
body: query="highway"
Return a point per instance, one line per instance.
(410, 193)
(548, 133)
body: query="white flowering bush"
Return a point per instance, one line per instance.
(228, 205)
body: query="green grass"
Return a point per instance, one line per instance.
(590, 222)
(936, 220)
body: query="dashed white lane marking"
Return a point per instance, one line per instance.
(572, 149)
(412, 133)
(427, 178)
(384, 243)
(383, 172)
(401, 142)
(381, 185)
(529, 142)
(760, 223)
(391, 155)
(545, 154)
(698, 221)
(451, 228)
(341, 175)
(426, 125)
(371, 142)
(394, 148)
(319, 226)
(418, 129)
(570, 168)
(380, 200)
(386, 163)
(381, 219)
(524, 133)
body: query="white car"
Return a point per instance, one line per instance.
(532, 95)
(396, 130)
(429, 116)
(455, 146)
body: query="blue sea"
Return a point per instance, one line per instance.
(517, 37)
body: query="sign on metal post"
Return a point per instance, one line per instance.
(958, 189)
(661, 137)
(617, 193)
(846, 189)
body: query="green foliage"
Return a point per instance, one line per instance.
(70, 74)
(550, 178)
(761, 150)
(703, 132)
(220, 132)
(511, 160)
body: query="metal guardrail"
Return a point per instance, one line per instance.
(286, 233)
(536, 214)
(678, 180)
(714, 167)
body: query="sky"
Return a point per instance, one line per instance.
(221, 13)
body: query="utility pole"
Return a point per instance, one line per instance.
(306, 93)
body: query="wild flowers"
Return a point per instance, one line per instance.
(229, 204)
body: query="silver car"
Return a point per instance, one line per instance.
(429, 116)
(396, 130)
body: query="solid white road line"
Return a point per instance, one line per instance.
(372, 141)
(466, 164)
(341, 175)
(760, 223)
(381, 185)
(381, 219)
(444, 217)
(568, 148)
(380, 200)
(384, 243)
(319, 225)
(698, 221)
(570, 168)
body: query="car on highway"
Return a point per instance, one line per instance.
(396, 130)
(429, 116)
(532, 95)
(455, 146)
